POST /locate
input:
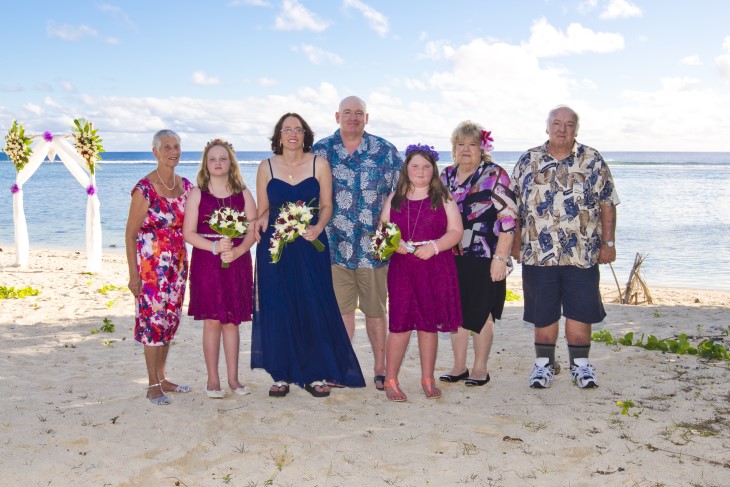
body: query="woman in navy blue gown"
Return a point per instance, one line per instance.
(298, 333)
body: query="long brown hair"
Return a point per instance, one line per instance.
(437, 192)
(235, 180)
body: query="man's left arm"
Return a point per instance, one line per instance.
(608, 233)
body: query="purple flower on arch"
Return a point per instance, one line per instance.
(91, 190)
(14, 188)
(48, 136)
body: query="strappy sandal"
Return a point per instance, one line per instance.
(393, 384)
(179, 388)
(312, 388)
(163, 400)
(429, 383)
(277, 392)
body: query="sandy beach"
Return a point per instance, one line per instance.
(74, 413)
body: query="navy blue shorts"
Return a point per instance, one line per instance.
(550, 289)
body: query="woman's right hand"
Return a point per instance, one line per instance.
(135, 285)
(259, 226)
(225, 244)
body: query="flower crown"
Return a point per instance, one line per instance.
(424, 148)
(486, 139)
(219, 142)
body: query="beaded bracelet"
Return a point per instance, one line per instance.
(503, 259)
(212, 248)
(436, 247)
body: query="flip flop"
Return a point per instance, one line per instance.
(381, 379)
(311, 388)
(279, 393)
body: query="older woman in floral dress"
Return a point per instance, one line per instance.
(488, 212)
(157, 261)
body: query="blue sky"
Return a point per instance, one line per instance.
(644, 75)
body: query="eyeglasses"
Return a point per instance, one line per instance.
(297, 131)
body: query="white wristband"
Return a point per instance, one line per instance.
(212, 248)
(435, 247)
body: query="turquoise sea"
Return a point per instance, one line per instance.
(675, 209)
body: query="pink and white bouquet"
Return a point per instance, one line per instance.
(294, 218)
(385, 240)
(229, 223)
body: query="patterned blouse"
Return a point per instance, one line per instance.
(361, 182)
(487, 206)
(559, 205)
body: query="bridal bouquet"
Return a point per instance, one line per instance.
(293, 219)
(229, 223)
(384, 241)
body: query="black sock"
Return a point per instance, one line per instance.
(545, 350)
(578, 351)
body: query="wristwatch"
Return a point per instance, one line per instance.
(608, 243)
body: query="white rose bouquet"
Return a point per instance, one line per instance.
(294, 218)
(385, 240)
(229, 223)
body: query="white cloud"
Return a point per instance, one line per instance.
(11, 88)
(414, 84)
(252, 3)
(116, 12)
(294, 16)
(723, 60)
(617, 9)
(50, 102)
(268, 82)
(546, 40)
(67, 86)
(201, 78)
(68, 32)
(317, 55)
(115, 41)
(693, 60)
(587, 5)
(436, 50)
(377, 21)
(33, 108)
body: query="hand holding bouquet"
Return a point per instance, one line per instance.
(385, 240)
(229, 223)
(293, 220)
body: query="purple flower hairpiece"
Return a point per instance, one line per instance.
(48, 136)
(486, 139)
(423, 148)
(14, 188)
(91, 190)
(219, 142)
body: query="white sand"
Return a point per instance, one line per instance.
(73, 408)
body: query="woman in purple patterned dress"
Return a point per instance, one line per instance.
(221, 297)
(488, 213)
(423, 291)
(157, 261)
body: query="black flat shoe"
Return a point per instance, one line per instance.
(454, 378)
(476, 382)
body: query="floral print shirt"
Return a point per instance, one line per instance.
(361, 182)
(559, 205)
(487, 206)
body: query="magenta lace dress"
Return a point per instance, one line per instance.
(216, 293)
(423, 295)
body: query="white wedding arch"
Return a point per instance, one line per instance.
(81, 167)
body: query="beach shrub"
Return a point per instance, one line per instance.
(107, 327)
(107, 288)
(512, 296)
(708, 349)
(12, 293)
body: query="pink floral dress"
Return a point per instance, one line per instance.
(162, 265)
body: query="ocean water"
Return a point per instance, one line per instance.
(675, 209)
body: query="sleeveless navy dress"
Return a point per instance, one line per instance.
(298, 333)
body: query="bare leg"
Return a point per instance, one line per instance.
(349, 319)
(459, 345)
(428, 347)
(547, 334)
(482, 347)
(211, 352)
(577, 332)
(377, 333)
(395, 350)
(151, 358)
(231, 342)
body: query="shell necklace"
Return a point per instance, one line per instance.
(162, 182)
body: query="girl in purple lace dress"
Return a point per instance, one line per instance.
(423, 290)
(220, 296)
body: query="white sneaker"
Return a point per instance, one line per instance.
(582, 374)
(542, 374)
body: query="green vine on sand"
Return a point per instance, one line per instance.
(9, 292)
(708, 348)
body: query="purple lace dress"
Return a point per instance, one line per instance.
(423, 295)
(216, 293)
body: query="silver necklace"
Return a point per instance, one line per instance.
(174, 180)
(408, 209)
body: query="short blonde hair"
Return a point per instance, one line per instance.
(468, 130)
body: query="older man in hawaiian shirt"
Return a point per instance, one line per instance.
(365, 170)
(567, 218)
